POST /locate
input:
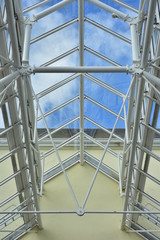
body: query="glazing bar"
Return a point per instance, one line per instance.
(125, 5)
(103, 107)
(100, 26)
(30, 8)
(57, 85)
(104, 129)
(57, 129)
(81, 69)
(107, 145)
(112, 10)
(52, 150)
(44, 35)
(63, 55)
(52, 9)
(97, 54)
(59, 107)
(101, 145)
(104, 85)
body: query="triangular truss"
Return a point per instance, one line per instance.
(84, 94)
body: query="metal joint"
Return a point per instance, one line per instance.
(135, 69)
(29, 21)
(33, 19)
(25, 70)
(133, 21)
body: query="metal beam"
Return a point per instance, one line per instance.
(57, 85)
(85, 69)
(103, 107)
(46, 34)
(58, 107)
(36, 5)
(113, 11)
(125, 5)
(104, 85)
(103, 128)
(104, 28)
(52, 9)
(97, 54)
(63, 55)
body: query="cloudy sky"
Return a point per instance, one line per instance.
(66, 39)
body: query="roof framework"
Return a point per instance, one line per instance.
(22, 110)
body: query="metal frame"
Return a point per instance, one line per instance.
(21, 110)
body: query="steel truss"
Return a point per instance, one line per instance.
(21, 110)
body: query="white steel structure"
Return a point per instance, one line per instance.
(22, 109)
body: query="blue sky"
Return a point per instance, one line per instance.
(67, 39)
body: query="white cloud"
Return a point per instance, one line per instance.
(66, 39)
(49, 48)
(106, 43)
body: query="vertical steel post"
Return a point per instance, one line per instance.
(136, 59)
(22, 182)
(81, 63)
(146, 47)
(29, 99)
(22, 99)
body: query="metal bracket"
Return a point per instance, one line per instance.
(133, 21)
(23, 71)
(29, 21)
(135, 69)
(80, 212)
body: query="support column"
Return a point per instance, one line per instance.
(144, 59)
(136, 61)
(22, 100)
(81, 63)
